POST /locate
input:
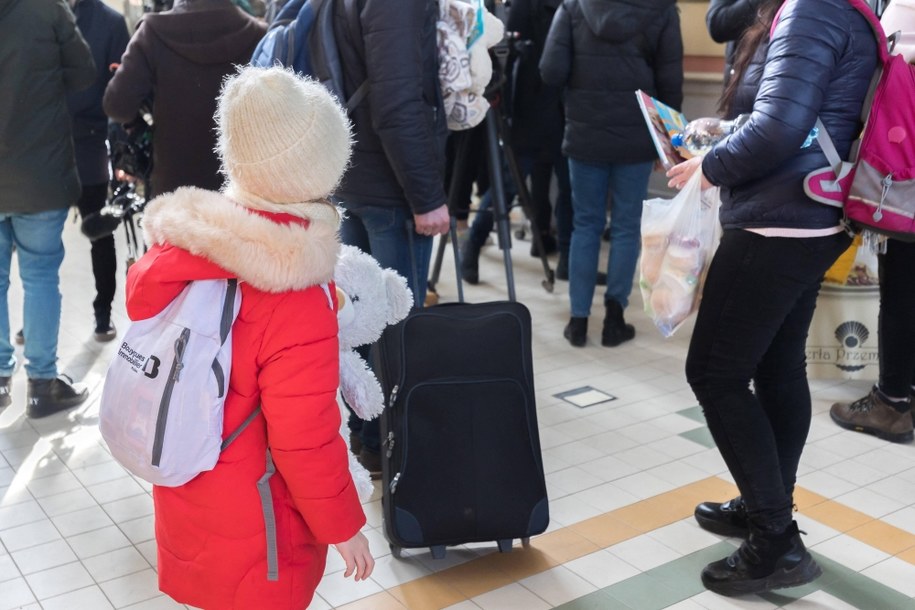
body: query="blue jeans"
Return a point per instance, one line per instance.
(627, 183)
(382, 232)
(40, 250)
(752, 325)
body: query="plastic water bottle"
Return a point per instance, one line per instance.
(700, 135)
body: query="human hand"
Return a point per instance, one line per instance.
(436, 222)
(681, 173)
(358, 558)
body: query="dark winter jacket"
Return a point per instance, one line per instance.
(42, 57)
(601, 51)
(537, 116)
(400, 129)
(820, 62)
(745, 95)
(106, 32)
(179, 59)
(726, 21)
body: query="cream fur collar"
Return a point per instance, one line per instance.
(270, 256)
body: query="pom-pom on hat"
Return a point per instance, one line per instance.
(282, 137)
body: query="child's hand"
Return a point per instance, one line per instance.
(355, 553)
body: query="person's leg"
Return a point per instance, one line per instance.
(40, 251)
(104, 261)
(628, 187)
(563, 207)
(896, 327)
(590, 184)
(540, 170)
(754, 286)
(7, 353)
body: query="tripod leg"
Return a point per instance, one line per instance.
(524, 196)
(457, 173)
(500, 209)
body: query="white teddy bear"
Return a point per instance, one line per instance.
(369, 299)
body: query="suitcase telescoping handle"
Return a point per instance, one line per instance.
(452, 236)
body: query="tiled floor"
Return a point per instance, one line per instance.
(76, 531)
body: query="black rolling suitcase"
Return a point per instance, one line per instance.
(460, 451)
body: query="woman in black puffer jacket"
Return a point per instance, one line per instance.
(600, 52)
(762, 285)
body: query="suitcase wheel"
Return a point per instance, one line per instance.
(438, 552)
(396, 551)
(505, 545)
(526, 542)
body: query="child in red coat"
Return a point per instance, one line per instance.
(225, 542)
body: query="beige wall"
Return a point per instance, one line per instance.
(696, 40)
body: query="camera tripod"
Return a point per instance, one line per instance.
(498, 138)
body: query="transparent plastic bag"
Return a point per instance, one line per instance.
(679, 237)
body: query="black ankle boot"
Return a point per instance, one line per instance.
(48, 396)
(576, 331)
(616, 330)
(725, 519)
(764, 562)
(470, 262)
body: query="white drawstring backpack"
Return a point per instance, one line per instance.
(162, 400)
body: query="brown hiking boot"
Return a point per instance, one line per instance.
(872, 415)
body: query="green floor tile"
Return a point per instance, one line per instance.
(700, 435)
(694, 413)
(678, 580)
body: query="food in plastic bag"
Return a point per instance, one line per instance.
(679, 237)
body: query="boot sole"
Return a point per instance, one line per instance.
(905, 437)
(804, 572)
(722, 529)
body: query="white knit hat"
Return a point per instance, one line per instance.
(282, 137)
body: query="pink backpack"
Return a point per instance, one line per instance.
(876, 187)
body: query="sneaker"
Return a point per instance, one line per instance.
(20, 338)
(371, 461)
(872, 415)
(5, 398)
(763, 562)
(725, 518)
(48, 396)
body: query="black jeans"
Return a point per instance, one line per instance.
(752, 325)
(104, 262)
(896, 327)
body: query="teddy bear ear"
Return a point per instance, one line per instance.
(400, 298)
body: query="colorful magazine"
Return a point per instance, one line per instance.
(663, 121)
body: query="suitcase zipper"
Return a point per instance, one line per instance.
(389, 443)
(394, 481)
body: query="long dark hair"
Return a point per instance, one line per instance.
(752, 37)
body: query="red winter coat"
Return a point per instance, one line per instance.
(210, 532)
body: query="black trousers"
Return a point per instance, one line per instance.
(104, 261)
(752, 325)
(896, 328)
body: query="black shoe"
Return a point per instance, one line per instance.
(371, 461)
(576, 331)
(762, 563)
(48, 396)
(20, 338)
(615, 330)
(5, 398)
(105, 332)
(725, 519)
(470, 263)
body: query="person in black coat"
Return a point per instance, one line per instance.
(600, 52)
(761, 287)
(394, 189)
(106, 33)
